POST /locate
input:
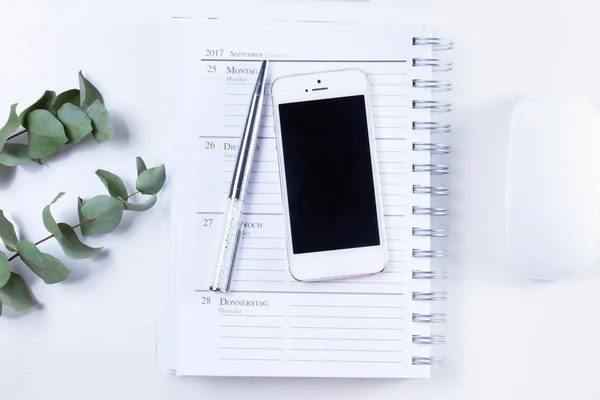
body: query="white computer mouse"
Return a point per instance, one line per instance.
(553, 187)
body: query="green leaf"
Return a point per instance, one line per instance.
(114, 184)
(151, 180)
(72, 246)
(46, 134)
(49, 221)
(7, 233)
(14, 154)
(70, 96)
(103, 129)
(15, 293)
(141, 165)
(148, 204)
(10, 127)
(77, 124)
(43, 103)
(79, 205)
(88, 92)
(47, 267)
(4, 269)
(105, 213)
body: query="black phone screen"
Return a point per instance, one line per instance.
(328, 172)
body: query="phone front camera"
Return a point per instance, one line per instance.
(306, 90)
(319, 81)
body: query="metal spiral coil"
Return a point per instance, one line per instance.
(433, 318)
(434, 169)
(433, 339)
(431, 211)
(429, 296)
(440, 86)
(429, 232)
(429, 274)
(432, 127)
(437, 64)
(428, 361)
(433, 148)
(433, 105)
(438, 44)
(418, 253)
(431, 190)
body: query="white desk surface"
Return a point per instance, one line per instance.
(94, 338)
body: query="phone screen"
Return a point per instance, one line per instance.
(329, 178)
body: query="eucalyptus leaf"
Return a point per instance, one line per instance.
(49, 221)
(114, 184)
(151, 180)
(79, 205)
(15, 293)
(7, 233)
(148, 204)
(103, 129)
(4, 269)
(46, 134)
(141, 165)
(70, 96)
(43, 103)
(47, 267)
(72, 246)
(14, 154)
(104, 212)
(76, 122)
(10, 127)
(88, 92)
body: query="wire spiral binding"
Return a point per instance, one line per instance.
(431, 126)
(427, 361)
(434, 149)
(429, 296)
(431, 190)
(433, 339)
(433, 105)
(416, 274)
(440, 86)
(433, 318)
(434, 169)
(432, 211)
(429, 232)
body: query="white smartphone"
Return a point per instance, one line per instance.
(329, 177)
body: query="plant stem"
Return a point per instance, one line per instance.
(16, 134)
(131, 195)
(69, 228)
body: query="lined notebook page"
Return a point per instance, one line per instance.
(270, 324)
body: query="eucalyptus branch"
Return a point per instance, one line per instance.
(99, 215)
(70, 228)
(54, 121)
(16, 134)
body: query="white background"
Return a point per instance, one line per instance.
(93, 337)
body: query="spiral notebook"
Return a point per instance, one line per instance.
(269, 324)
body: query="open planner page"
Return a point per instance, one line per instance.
(269, 324)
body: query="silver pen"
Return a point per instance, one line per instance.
(239, 183)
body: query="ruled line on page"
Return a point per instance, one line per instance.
(361, 328)
(252, 337)
(301, 61)
(347, 339)
(349, 350)
(248, 359)
(344, 306)
(347, 361)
